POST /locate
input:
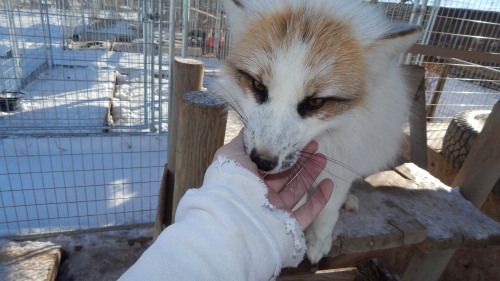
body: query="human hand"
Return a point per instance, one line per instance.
(287, 188)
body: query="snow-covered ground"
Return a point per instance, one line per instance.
(63, 100)
(66, 183)
(61, 181)
(93, 256)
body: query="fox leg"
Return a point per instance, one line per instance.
(319, 234)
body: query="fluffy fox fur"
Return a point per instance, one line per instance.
(321, 70)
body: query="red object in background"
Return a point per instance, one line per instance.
(211, 42)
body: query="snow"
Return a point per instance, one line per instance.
(101, 256)
(26, 260)
(129, 101)
(443, 211)
(62, 99)
(92, 256)
(67, 183)
(458, 96)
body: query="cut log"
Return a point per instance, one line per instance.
(29, 261)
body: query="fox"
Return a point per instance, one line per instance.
(323, 70)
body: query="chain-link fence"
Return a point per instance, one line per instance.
(84, 89)
(460, 54)
(85, 96)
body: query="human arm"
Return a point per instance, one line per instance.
(229, 230)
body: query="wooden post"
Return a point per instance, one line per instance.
(476, 178)
(418, 123)
(187, 76)
(437, 93)
(202, 126)
(481, 168)
(427, 266)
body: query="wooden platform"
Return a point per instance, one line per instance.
(407, 206)
(29, 261)
(343, 274)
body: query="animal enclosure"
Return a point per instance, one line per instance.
(86, 115)
(87, 146)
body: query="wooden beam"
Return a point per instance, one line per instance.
(481, 168)
(455, 53)
(436, 95)
(418, 124)
(483, 70)
(427, 266)
(343, 274)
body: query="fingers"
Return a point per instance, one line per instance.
(235, 146)
(303, 180)
(277, 181)
(235, 150)
(306, 213)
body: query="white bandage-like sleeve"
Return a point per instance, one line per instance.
(226, 230)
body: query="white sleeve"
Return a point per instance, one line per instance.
(226, 230)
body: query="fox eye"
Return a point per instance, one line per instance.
(309, 105)
(260, 91)
(258, 87)
(247, 81)
(315, 103)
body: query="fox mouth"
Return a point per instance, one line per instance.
(272, 164)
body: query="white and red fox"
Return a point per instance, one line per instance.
(323, 70)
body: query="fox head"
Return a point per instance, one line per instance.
(300, 68)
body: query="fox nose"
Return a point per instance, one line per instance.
(264, 163)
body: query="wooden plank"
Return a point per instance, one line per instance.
(487, 71)
(29, 261)
(476, 178)
(456, 222)
(343, 274)
(418, 130)
(454, 53)
(388, 178)
(436, 95)
(416, 209)
(385, 224)
(450, 219)
(347, 260)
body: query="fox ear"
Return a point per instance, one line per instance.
(238, 3)
(237, 16)
(397, 39)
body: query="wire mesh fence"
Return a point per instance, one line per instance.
(87, 145)
(83, 136)
(461, 59)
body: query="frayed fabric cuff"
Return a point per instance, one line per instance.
(291, 253)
